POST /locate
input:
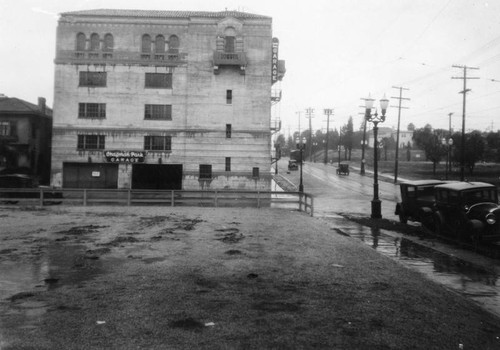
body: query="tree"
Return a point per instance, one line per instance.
(430, 142)
(492, 151)
(387, 144)
(348, 136)
(411, 127)
(474, 150)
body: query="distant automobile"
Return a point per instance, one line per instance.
(21, 186)
(414, 196)
(292, 165)
(466, 211)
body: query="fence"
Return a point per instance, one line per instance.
(216, 198)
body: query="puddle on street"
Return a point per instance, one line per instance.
(470, 280)
(21, 280)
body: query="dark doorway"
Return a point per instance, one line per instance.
(157, 176)
(90, 175)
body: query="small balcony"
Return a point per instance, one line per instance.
(237, 59)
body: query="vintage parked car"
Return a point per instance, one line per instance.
(414, 196)
(466, 211)
(292, 165)
(15, 187)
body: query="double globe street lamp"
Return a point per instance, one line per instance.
(375, 119)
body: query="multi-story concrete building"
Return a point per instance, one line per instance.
(163, 100)
(25, 136)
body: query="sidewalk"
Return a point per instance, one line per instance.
(210, 278)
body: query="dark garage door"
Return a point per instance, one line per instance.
(90, 175)
(157, 176)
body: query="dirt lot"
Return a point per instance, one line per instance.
(206, 278)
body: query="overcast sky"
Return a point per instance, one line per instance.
(336, 52)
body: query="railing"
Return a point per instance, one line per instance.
(214, 198)
(230, 58)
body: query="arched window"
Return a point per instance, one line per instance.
(173, 43)
(80, 42)
(160, 44)
(94, 42)
(108, 42)
(146, 43)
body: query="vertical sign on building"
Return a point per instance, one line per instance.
(274, 66)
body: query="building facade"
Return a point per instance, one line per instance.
(163, 100)
(25, 136)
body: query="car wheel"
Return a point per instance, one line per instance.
(438, 226)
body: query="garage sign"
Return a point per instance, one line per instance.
(125, 156)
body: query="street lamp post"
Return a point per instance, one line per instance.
(375, 119)
(364, 143)
(328, 112)
(301, 145)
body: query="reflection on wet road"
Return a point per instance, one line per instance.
(353, 193)
(473, 281)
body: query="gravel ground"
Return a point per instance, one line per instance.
(213, 278)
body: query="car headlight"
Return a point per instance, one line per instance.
(491, 218)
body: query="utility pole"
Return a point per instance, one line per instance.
(449, 146)
(464, 92)
(400, 98)
(328, 112)
(309, 113)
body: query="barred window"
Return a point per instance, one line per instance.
(146, 43)
(108, 42)
(255, 172)
(163, 112)
(158, 143)
(92, 110)
(173, 44)
(93, 79)
(205, 171)
(228, 131)
(160, 44)
(81, 40)
(95, 43)
(91, 142)
(159, 80)
(228, 163)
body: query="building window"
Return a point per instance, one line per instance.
(160, 44)
(228, 131)
(159, 80)
(163, 112)
(228, 163)
(93, 79)
(255, 172)
(94, 42)
(7, 128)
(146, 43)
(229, 97)
(80, 42)
(92, 110)
(91, 142)
(158, 143)
(205, 171)
(173, 44)
(229, 44)
(108, 43)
